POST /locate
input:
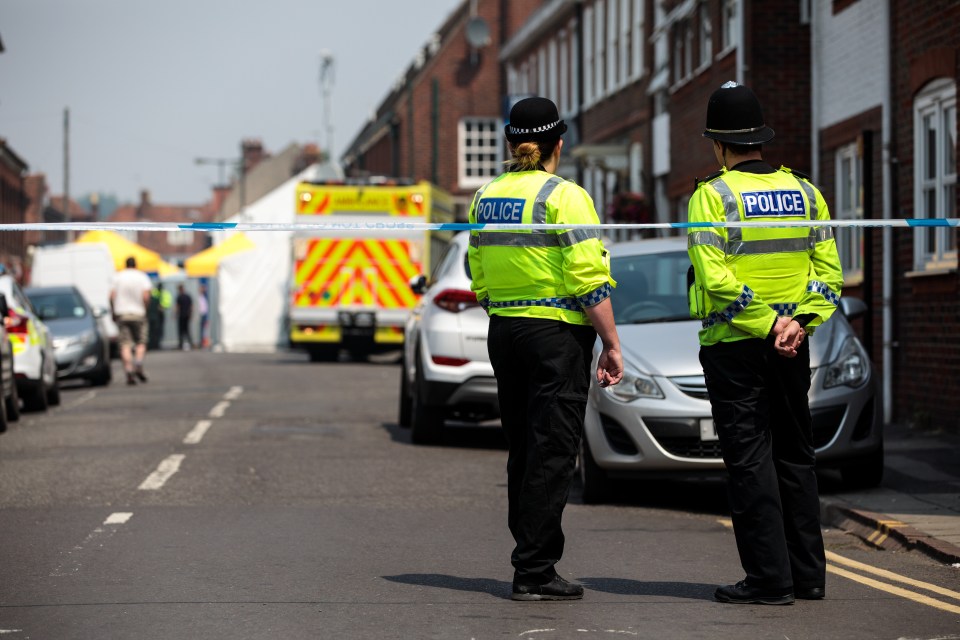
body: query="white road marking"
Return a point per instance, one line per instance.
(219, 409)
(120, 517)
(11, 631)
(89, 395)
(71, 565)
(233, 394)
(167, 468)
(197, 433)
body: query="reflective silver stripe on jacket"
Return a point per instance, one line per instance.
(539, 214)
(779, 245)
(820, 234)
(730, 209)
(705, 238)
(733, 309)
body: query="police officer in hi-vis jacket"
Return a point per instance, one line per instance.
(547, 293)
(760, 292)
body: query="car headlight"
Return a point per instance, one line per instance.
(851, 367)
(81, 339)
(634, 386)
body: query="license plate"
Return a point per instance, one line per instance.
(708, 432)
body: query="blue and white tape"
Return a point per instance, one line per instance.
(321, 227)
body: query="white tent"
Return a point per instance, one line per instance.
(253, 285)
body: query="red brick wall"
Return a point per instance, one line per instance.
(926, 45)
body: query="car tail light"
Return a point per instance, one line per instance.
(456, 300)
(450, 362)
(16, 323)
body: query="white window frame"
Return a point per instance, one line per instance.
(935, 195)
(564, 71)
(179, 238)
(600, 51)
(485, 168)
(541, 84)
(576, 57)
(613, 46)
(730, 35)
(588, 54)
(848, 205)
(623, 77)
(706, 36)
(552, 91)
(639, 41)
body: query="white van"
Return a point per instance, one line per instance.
(87, 266)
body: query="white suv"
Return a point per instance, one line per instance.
(446, 372)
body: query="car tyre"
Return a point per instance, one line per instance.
(594, 480)
(323, 352)
(103, 376)
(53, 394)
(405, 409)
(12, 405)
(426, 421)
(35, 398)
(864, 473)
(4, 418)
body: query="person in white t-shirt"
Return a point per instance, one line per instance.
(129, 299)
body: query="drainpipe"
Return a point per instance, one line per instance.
(888, 194)
(742, 35)
(814, 95)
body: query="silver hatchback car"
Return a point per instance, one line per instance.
(658, 420)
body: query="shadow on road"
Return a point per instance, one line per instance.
(497, 588)
(625, 587)
(457, 435)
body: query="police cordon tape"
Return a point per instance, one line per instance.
(460, 226)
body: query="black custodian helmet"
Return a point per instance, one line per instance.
(734, 116)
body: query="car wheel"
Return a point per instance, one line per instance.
(594, 480)
(426, 421)
(12, 404)
(53, 393)
(406, 403)
(3, 417)
(35, 398)
(102, 377)
(864, 473)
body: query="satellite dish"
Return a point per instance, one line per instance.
(478, 32)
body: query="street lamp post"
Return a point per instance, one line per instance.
(326, 85)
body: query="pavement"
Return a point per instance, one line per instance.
(917, 505)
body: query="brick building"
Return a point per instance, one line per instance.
(443, 119)
(14, 200)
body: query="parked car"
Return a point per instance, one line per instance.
(446, 372)
(34, 364)
(10, 407)
(80, 343)
(658, 419)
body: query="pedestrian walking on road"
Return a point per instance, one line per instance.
(129, 298)
(548, 297)
(203, 308)
(759, 293)
(184, 315)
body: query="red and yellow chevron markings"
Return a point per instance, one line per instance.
(363, 272)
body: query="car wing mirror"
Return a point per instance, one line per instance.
(852, 308)
(99, 312)
(418, 284)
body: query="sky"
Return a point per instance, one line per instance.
(152, 86)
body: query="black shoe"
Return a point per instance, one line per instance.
(810, 593)
(742, 593)
(556, 589)
(141, 375)
(130, 379)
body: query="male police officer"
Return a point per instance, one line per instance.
(548, 296)
(759, 292)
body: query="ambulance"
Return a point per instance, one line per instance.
(352, 275)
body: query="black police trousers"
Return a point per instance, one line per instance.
(762, 415)
(542, 370)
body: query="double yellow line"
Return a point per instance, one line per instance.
(834, 559)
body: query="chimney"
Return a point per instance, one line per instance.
(143, 209)
(252, 153)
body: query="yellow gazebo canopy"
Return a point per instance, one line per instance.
(120, 249)
(205, 263)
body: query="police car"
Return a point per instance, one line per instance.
(34, 363)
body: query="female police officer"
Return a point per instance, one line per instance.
(547, 293)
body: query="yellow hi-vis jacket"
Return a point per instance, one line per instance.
(746, 277)
(551, 274)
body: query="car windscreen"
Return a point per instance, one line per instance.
(54, 306)
(650, 287)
